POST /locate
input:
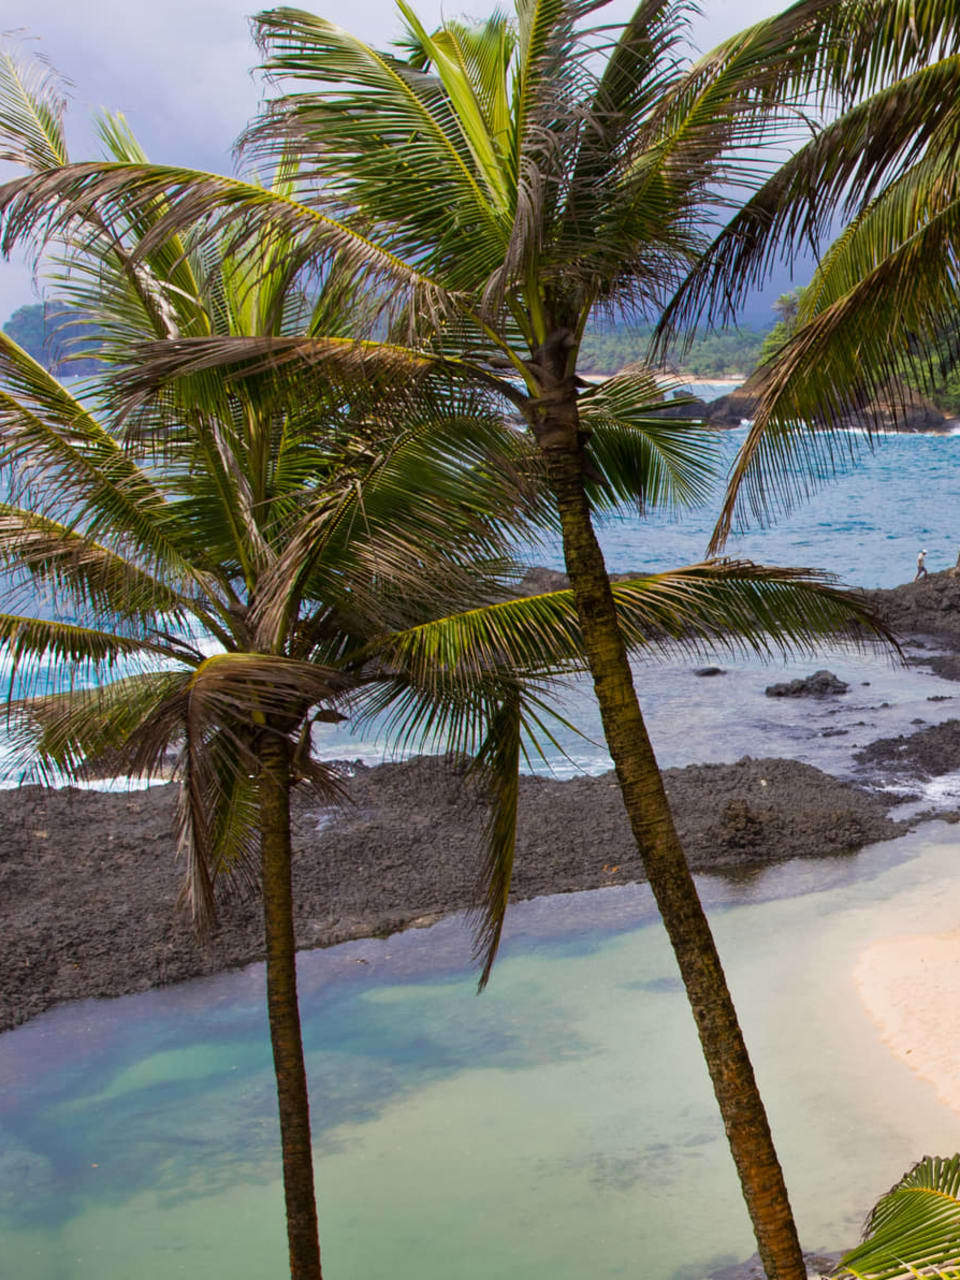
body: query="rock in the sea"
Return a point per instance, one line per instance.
(929, 607)
(901, 409)
(732, 409)
(709, 671)
(929, 753)
(822, 684)
(683, 408)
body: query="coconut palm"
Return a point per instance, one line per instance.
(530, 173)
(223, 565)
(237, 465)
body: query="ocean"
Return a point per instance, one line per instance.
(561, 1125)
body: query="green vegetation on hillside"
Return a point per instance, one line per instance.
(723, 353)
(940, 382)
(39, 329)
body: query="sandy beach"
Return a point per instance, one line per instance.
(911, 988)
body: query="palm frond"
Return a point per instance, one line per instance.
(842, 167)
(80, 649)
(59, 734)
(32, 104)
(880, 306)
(398, 125)
(49, 441)
(93, 576)
(914, 1229)
(727, 604)
(50, 204)
(643, 459)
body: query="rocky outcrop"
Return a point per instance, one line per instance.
(822, 684)
(690, 408)
(930, 753)
(901, 410)
(733, 409)
(928, 607)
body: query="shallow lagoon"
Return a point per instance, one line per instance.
(559, 1126)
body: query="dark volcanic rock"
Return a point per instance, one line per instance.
(686, 409)
(927, 754)
(928, 607)
(732, 409)
(822, 684)
(709, 671)
(89, 880)
(902, 410)
(538, 581)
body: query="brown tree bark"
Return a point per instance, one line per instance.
(283, 1010)
(744, 1116)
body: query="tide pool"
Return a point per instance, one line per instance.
(561, 1125)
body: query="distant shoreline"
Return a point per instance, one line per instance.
(680, 378)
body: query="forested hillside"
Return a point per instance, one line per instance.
(40, 329)
(724, 354)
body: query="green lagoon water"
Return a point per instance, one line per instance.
(559, 1127)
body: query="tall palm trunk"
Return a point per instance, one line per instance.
(741, 1106)
(283, 1011)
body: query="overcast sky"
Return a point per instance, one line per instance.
(182, 71)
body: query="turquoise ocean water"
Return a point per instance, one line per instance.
(561, 1125)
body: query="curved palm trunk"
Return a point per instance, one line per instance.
(283, 1011)
(744, 1117)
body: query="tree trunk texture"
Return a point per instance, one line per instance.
(284, 1013)
(744, 1117)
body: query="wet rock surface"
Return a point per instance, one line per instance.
(929, 753)
(822, 684)
(89, 880)
(930, 607)
(731, 410)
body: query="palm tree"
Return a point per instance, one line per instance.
(531, 173)
(222, 479)
(225, 564)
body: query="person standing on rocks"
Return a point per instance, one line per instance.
(921, 567)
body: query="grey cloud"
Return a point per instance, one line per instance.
(180, 70)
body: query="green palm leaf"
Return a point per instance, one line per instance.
(32, 104)
(914, 1229)
(642, 459)
(733, 605)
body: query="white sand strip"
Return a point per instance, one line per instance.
(911, 989)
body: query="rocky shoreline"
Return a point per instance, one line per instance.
(89, 880)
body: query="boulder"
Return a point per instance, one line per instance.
(690, 408)
(901, 409)
(732, 409)
(822, 684)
